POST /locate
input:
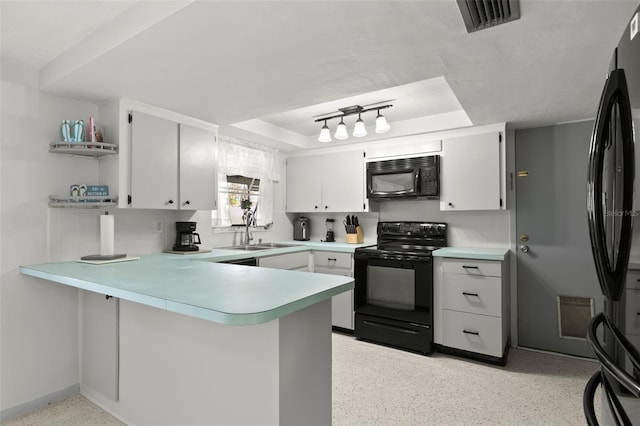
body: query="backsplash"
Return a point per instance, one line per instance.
(466, 229)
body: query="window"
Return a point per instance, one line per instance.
(243, 193)
(246, 171)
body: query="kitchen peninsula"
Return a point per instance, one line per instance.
(201, 342)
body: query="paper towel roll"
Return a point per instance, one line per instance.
(106, 235)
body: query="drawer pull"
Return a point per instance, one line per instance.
(475, 333)
(470, 294)
(331, 259)
(470, 267)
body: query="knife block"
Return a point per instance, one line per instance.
(357, 238)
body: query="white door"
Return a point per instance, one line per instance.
(198, 168)
(343, 182)
(303, 184)
(471, 173)
(154, 162)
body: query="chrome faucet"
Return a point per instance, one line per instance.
(249, 220)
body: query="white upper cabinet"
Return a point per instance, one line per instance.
(154, 162)
(304, 184)
(326, 183)
(198, 168)
(473, 174)
(166, 160)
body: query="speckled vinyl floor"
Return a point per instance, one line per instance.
(376, 385)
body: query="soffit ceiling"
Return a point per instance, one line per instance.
(282, 63)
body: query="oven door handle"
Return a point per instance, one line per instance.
(390, 327)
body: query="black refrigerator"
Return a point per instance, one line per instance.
(611, 212)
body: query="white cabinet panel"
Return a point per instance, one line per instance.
(100, 342)
(478, 295)
(475, 333)
(343, 182)
(297, 261)
(333, 260)
(472, 267)
(342, 314)
(198, 168)
(154, 162)
(303, 184)
(472, 172)
(326, 183)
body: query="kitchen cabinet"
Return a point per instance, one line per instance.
(326, 183)
(471, 307)
(334, 263)
(165, 160)
(473, 172)
(291, 261)
(173, 165)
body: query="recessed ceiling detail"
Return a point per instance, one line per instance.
(481, 14)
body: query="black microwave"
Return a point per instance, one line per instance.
(417, 177)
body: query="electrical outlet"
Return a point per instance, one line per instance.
(158, 226)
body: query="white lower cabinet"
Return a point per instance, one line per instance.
(321, 262)
(471, 307)
(335, 263)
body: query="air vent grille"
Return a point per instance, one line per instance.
(480, 14)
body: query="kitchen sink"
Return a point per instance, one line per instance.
(260, 246)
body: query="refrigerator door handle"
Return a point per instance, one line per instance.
(614, 102)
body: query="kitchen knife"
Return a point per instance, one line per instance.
(355, 221)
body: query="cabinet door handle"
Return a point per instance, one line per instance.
(450, 204)
(470, 294)
(475, 333)
(187, 202)
(326, 207)
(170, 202)
(470, 267)
(315, 207)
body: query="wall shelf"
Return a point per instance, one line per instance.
(87, 149)
(94, 202)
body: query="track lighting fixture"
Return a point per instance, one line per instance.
(359, 129)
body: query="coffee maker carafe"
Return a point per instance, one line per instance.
(186, 237)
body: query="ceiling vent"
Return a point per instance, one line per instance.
(481, 14)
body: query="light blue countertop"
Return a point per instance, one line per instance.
(472, 253)
(196, 285)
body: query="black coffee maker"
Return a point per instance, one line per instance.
(186, 237)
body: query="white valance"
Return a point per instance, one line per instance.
(238, 157)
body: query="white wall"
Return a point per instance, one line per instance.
(39, 321)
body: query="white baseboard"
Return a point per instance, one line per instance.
(27, 407)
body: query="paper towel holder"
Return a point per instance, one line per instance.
(106, 241)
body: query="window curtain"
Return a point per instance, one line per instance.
(238, 157)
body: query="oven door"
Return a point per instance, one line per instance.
(393, 302)
(393, 184)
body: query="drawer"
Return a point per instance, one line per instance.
(472, 267)
(472, 293)
(297, 261)
(633, 279)
(470, 332)
(632, 312)
(332, 259)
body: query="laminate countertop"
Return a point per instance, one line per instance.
(199, 286)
